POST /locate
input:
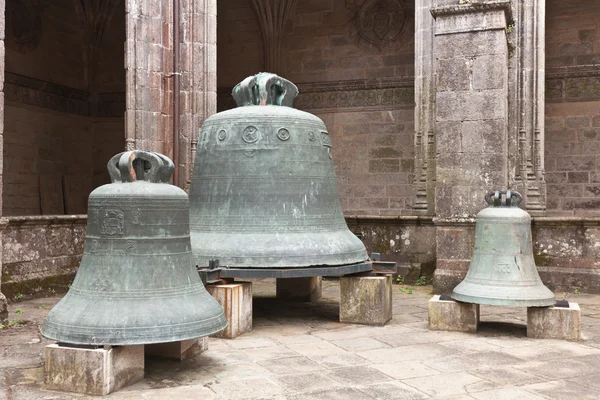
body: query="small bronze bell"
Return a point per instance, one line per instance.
(136, 283)
(263, 192)
(502, 270)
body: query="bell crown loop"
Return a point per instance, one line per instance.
(263, 89)
(503, 198)
(140, 165)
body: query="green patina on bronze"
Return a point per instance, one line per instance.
(136, 283)
(503, 270)
(264, 192)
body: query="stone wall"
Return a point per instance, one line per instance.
(565, 251)
(41, 254)
(407, 240)
(41, 147)
(573, 107)
(356, 76)
(64, 106)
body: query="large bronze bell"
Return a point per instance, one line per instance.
(502, 270)
(264, 192)
(136, 283)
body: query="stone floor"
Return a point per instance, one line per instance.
(300, 351)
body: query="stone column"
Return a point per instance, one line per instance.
(272, 17)
(526, 35)
(3, 303)
(147, 68)
(149, 73)
(424, 110)
(199, 77)
(471, 117)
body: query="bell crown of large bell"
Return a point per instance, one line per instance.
(503, 270)
(264, 88)
(136, 283)
(264, 192)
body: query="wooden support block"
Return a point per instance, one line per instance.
(366, 299)
(299, 289)
(451, 315)
(236, 300)
(554, 322)
(92, 371)
(181, 350)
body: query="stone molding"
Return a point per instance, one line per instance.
(456, 9)
(52, 96)
(576, 83)
(537, 221)
(364, 94)
(473, 21)
(41, 220)
(381, 220)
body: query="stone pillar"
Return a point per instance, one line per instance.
(3, 222)
(199, 77)
(148, 61)
(471, 117)
(526, 34)
(424, 110)
(149, 73)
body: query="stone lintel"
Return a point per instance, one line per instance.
(92, 371)
(366, 299)
(236, 300)
(450, 315)
(554, 322)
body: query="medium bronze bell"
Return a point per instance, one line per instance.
(136, 283)
(502, 270)
(263, 192)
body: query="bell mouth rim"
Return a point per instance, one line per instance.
(496, 301)
(153, 339)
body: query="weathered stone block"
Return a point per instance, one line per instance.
(299, 289)
(554, 322)
(366, 299)
(236, 300)
(3, 308)
(181, 350)
(92, 371)
(450, 315)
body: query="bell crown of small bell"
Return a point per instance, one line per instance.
(503, 198)
(140, 165)
(263, 89)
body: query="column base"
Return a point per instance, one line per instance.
(366, 299)
(236, 300)
(179, 351)
(92, 371)
(450, 315)
(299, 289)
(554, 322)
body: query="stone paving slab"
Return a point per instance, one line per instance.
(301, 351)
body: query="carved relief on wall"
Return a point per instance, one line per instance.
(23, 24)
(378, 24)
